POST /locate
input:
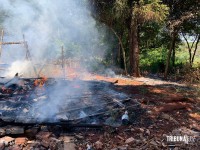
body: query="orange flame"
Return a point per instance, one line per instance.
(40, 82)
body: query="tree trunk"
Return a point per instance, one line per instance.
(173, 56)
(121, 57)
(189, 49)
(134, 50)
(119, 54)
(191, 56)
(122, 48)
(169, 54)
(195, 49)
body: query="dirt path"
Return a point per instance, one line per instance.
(151, 81)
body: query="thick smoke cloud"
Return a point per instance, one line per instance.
(47, 25)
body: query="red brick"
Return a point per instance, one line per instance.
(21, 141)
(7, 141)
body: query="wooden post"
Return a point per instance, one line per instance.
(63, 61)
(28, 55)
(2, 34)
(11, 43)
(62, 57)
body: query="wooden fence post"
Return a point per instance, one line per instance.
(2, 34)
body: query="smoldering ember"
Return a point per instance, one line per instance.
(99, 75)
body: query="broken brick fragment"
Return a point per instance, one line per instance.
(21, 141)
(8, 141)
(173, 106)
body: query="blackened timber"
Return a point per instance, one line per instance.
(97, 105)
(62, 124)
(10, 43)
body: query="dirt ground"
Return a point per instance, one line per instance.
(171, 109)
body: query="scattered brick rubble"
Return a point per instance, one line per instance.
(41, 140)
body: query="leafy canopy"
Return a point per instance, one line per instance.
(143, 10)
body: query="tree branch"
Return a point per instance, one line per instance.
(196, 46)
(189, 49)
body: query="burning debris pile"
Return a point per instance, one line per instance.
(37, 100)
(30, 105)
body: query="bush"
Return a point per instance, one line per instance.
(153, 60)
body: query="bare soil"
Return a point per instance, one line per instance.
(169, 106)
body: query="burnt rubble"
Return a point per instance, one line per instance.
(88, 105)
(21, 100)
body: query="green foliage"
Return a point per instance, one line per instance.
(182, 56)
(152, 10)
(143, 11)
(154, 32)
(152, 35)
(153, 60)
(121, 9)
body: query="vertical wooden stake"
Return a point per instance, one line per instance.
(63, 60)
(62, 57)
(2, 34)
(28, 55)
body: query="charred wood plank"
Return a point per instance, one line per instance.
(5, 95)
(10, 43)
(119, 103)
(62, 124)
(96, 105)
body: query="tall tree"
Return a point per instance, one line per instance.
(135, 14)
(181, 11)
(127, 16)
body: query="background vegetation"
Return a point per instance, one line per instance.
(166, 39)
(145, 36)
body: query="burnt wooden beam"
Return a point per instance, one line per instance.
(62, 124)
(11, 43)
(96, 105)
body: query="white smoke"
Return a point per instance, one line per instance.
(48, 25)
(17, 67)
